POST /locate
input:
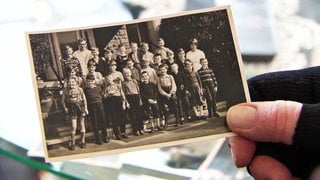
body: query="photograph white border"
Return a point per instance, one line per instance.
(156, 145)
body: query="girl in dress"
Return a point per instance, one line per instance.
(194, 89)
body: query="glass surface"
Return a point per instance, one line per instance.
(19, 154)
(156, 163)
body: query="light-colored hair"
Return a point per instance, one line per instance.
(67, 47)
(174, 64)
(193, 41)
(126, 70)
(95, 49)
(82, 40)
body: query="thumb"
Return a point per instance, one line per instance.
(271, 121)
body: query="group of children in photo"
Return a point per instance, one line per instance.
(136, 88)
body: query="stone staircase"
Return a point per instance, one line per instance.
(61, 130)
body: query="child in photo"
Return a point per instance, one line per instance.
(100, 62)
(151, 72)
(181, 58)
(210, 85)
(92, 65)
(195, 54)
(75, 105)
(194, 89)
(182, 100)
(146, 54)
(115, 105)
(116, 76)
(94, 97)
(71, 62)
(162, 50)
(149, 96)
(134, 71)
(134, 55)
(131, 91)
(157, 63)
(103, 64)
(168, 99)
(95, 54)
(122, 57)
(72, 74)
(170, 60)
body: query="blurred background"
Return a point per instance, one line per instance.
(272, 35)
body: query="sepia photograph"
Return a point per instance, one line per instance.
(136, 85)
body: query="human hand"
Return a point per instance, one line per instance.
(281, 143)
(273, 121)
(172, 93)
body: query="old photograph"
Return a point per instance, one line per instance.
(135, 85)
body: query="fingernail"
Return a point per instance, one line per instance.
(241, 117)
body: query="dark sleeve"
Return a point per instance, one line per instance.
(79, 67)
(302, 86)
(297, 85)
(118, 61)
(183, 79)
(214, 79)
(155, 90)
(199, 80)
(64, 70)
(130, 56)
(143, 96)
(187, 82)
(100, 92)
(307, 133)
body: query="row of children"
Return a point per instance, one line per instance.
(134, 53)
(109, 99)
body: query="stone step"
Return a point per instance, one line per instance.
(65, 139)
(222, 106)
(63, 131)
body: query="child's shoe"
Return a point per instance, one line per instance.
(136, 133)
(106, 139)
(141, 132)
(124, 136)
(83, 141)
